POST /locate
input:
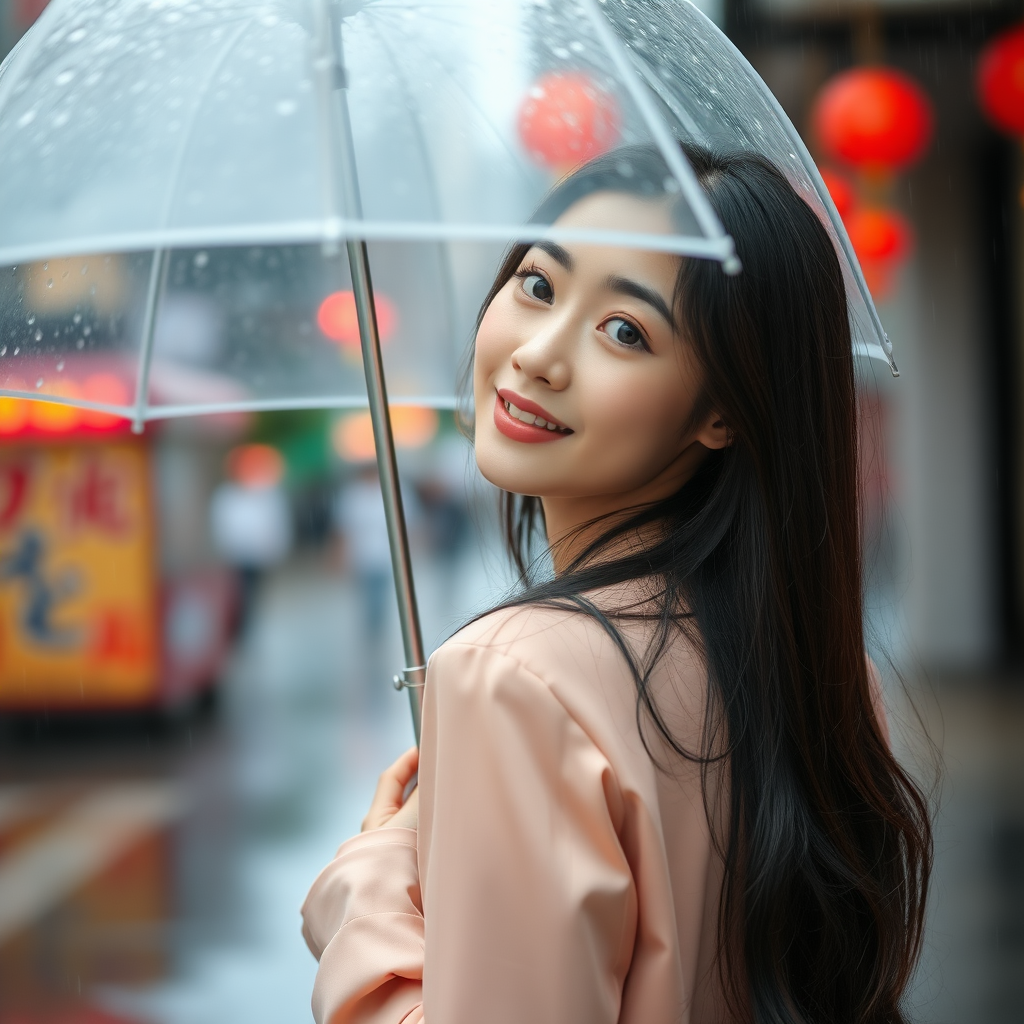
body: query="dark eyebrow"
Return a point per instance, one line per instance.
(557, 253)
(625, 286)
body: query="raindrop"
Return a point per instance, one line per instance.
(3, 350)
(40, 382)
(61, 119)
(560, 51)
(60, 366)
(31, 319)
(38, 335)
(49, 282)
(576, 46)
(286, 107)
(77, 36)
(17, 349)
(46, 266)
(65, 76)
(85, 269)
(80, 344)
(87, 330)
(26, 119)
(201, 259)
(77, 318)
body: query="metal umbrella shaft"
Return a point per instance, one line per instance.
(340, 175)
(414, 674)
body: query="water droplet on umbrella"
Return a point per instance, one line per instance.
(46, 266)
(49, 282)
(201, 259)
(39, 335)
(31, 319)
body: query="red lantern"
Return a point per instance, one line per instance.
(882, 240)
(876, 119)
(1001, 81)
(337, 318)
(841, 189)
(567, 119)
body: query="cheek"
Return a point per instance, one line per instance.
(638, 423)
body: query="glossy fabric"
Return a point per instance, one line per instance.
(558, 877)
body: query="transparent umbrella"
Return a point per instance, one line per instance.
(193, 192)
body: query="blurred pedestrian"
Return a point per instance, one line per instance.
(251, 521)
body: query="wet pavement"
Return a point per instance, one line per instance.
(151, 876)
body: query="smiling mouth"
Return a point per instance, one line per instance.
(533, 421)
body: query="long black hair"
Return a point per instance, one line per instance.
(757, 559)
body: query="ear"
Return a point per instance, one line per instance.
(713, 432)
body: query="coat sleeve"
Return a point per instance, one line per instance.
(363, 921)
(528, 908)
(529, 901)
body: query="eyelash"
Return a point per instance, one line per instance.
(532, 270)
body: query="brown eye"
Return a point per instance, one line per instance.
(538, 287)
(625, 333)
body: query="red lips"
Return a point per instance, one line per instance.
(517, 430)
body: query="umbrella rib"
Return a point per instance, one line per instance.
(419, 130)
(471, 102)
(706, 217)
(186, 135)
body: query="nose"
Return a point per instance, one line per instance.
(545, 357)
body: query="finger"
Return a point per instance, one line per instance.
(388, 797)
(407, 816)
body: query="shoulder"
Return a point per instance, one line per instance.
(542, 640)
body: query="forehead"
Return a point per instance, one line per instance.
(617, 211)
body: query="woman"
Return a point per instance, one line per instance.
(656, 787)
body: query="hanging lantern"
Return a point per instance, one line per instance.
(338, 320)
(875, 119)
(841, 189)
(1001, 81)
(882, 240)
(567, 119)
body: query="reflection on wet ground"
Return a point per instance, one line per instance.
(156, 877)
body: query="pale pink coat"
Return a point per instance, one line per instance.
(557, 876)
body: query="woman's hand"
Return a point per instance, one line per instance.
(387, 809)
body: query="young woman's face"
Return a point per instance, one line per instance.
(584, 338)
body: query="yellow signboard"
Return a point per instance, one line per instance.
(78, 586)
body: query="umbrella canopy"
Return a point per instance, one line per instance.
(193, 192)
(208, 131)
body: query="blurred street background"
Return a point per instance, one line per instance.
(166, 802)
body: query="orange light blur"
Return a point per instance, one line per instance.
(338, 320)
(255, 466)
(413, 426)
(106, 388)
